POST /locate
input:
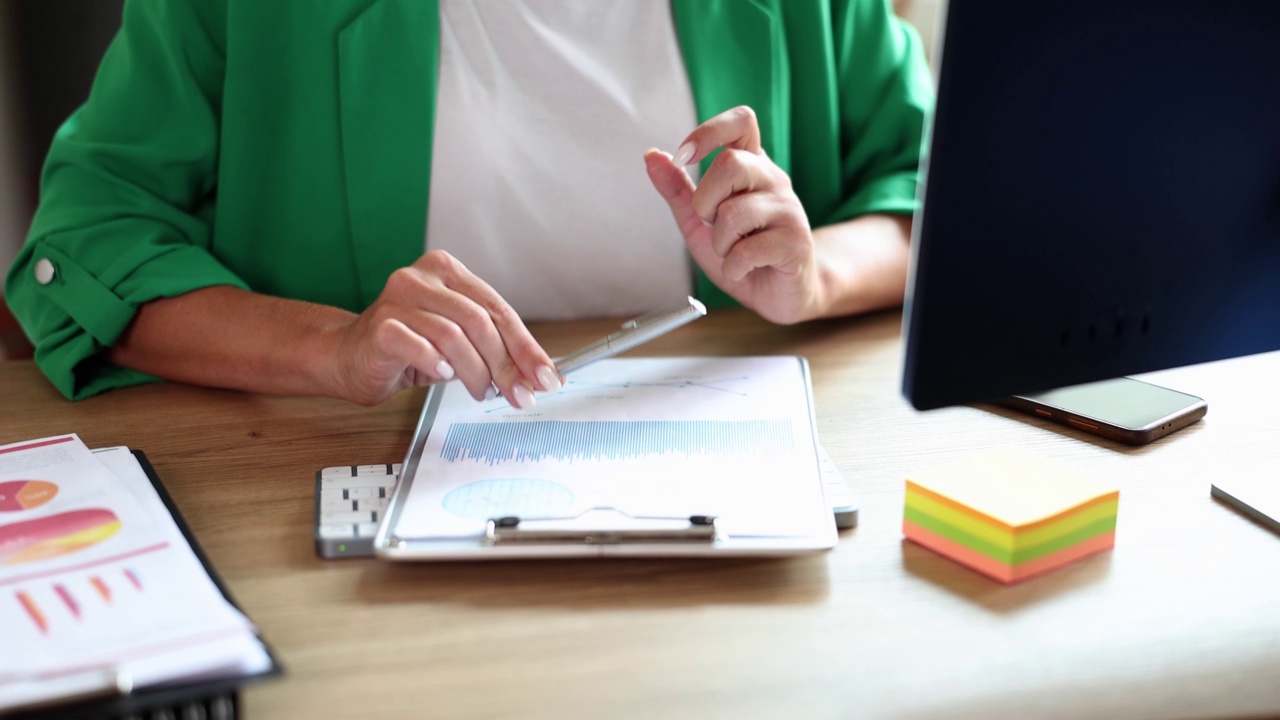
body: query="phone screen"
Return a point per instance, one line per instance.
(1125, 402)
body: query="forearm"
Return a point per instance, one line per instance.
(230, 338)
(862, 264)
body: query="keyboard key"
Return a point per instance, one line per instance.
(352, 517)
(365, 470)
(338, 505)
(366, 530)
(332, 494)
(344, 471)
(372, 504)
(367, 493)
(373, 481)
(337, 532)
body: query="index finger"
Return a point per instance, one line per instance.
(733, 128)
(492, 326)
(511, 348)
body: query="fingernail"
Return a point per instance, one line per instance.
(708, 223)
(684, 154)
(523, 397)
(549, 379)
(490, 392)
(444, 370)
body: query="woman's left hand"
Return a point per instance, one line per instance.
(743, 223)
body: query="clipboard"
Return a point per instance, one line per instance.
(634, 457)
(216, 697)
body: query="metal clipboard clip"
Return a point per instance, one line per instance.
(602, 526)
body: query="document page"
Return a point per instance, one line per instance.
(96, 579)
(649, 437)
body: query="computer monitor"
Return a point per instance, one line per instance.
(1100, 196)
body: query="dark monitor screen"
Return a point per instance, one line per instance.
(1101, 195)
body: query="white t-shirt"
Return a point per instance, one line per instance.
(544, 111)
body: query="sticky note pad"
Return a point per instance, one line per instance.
(1009, 513)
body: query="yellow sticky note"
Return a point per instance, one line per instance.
(1013, 487)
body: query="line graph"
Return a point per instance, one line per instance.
(570, 440)
(575, 386)
(723, 385)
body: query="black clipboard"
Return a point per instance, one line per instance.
(215, 699)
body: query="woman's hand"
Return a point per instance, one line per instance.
(743, 223)
(746, 229)
(433, 321)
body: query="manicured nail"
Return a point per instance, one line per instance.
(523, 397)
(549, 379)
(490, 392)
(444, 370)
(684, 154)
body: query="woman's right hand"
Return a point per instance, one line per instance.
(434, 321)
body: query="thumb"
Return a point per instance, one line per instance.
(675, 186)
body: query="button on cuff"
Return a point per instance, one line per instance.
(45, 271)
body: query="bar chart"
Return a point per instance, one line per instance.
(603, 440)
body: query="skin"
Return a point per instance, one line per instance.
(435, 320)
(746, 229)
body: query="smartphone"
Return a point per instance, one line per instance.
(633, 333)
(1125, 410)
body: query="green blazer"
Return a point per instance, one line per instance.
(286, 147)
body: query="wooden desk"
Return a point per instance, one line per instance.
(1181, 619)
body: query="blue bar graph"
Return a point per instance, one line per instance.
(568, 441)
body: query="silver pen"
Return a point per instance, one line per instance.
(633, 333)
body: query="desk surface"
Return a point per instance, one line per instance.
(1182, 618)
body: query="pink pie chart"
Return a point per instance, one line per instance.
(17, 495)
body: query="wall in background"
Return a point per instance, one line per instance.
(49, 52)
(926, 16)
(14, 203)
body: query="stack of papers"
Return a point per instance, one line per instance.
(1009, 513)
(100, 592)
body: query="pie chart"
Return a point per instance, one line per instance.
(18, 495)
(494, 497)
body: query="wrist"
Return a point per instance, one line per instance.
(862, 265)
(318, 354)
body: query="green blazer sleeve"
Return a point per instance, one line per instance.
(127, 196)
(886, 96)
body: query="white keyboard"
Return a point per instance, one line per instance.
(349, 503)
